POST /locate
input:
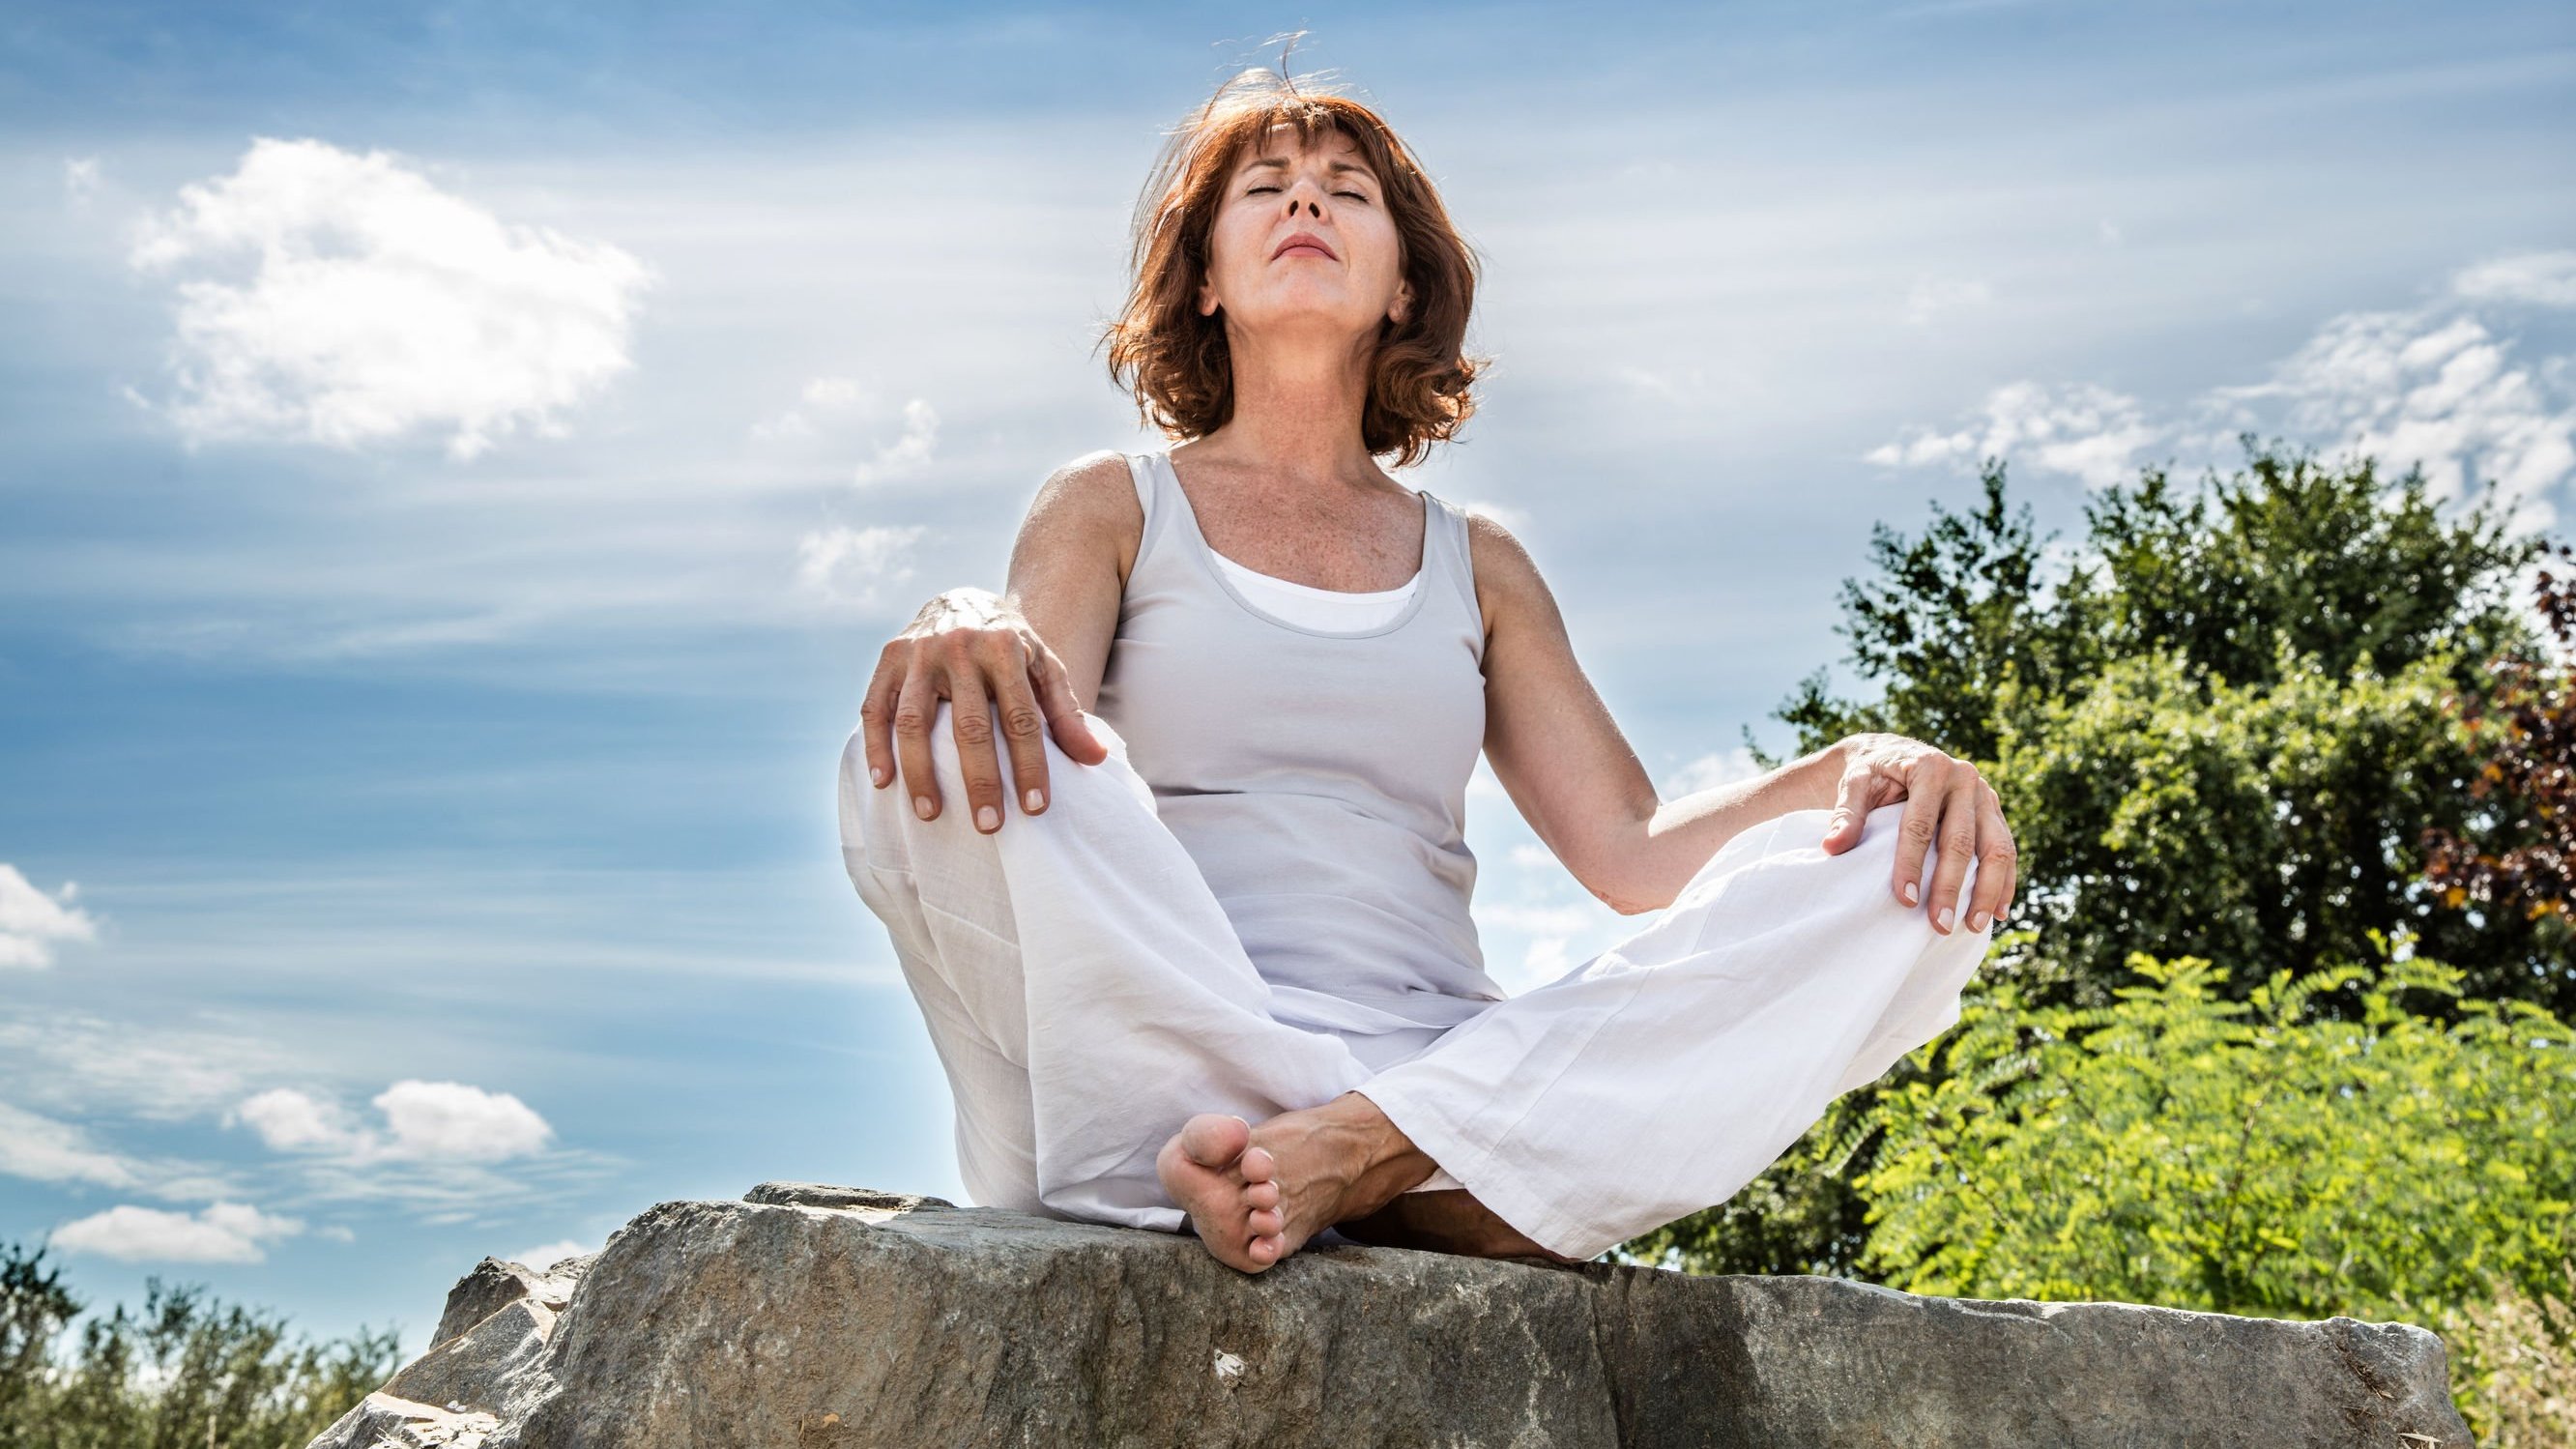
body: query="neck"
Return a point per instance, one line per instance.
(1297, 407)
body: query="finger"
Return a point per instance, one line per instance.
(1072, 728)
(1024, 735)
(1958, 847)
(979, 759)
(1854, 798)
(1994, 862)
(916, 707)
(876, 715)
(1915, 830)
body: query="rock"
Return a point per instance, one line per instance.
(823, 1316)
(496, 1282)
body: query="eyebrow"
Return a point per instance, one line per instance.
(1281, 163)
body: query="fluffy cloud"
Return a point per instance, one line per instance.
(2441, 386)
(849, 565)
(223, 1232)
(1709, 771)
(446, 1121)
(31, 922)
(375, 306)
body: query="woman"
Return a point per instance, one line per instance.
(1221, 974)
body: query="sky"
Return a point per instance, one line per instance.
(461, 465)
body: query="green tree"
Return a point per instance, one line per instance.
(186, 1372)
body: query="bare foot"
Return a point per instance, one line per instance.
(1255, 1195)
(1211, 1169)
(1446, 1220)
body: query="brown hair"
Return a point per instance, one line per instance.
(1176, 361)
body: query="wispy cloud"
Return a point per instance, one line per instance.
(377, 306)
(32, 923)
(851, 565)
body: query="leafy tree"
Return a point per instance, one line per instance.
(185, 1372)
(2259, 668)
(2523, 857)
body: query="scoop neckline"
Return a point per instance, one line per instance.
(1208, 555)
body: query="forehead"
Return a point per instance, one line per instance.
(1280, 145)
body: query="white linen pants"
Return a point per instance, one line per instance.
(1087, 995)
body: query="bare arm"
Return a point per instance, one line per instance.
(1563, 760)
(1037, 650)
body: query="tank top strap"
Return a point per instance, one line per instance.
(1454, 555)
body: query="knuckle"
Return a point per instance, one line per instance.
(974, 726)
(1919, 829)
(911, 721)
(874, 710)
(1022, 721)
(2002, 852)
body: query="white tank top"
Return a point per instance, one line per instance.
(1317, 775)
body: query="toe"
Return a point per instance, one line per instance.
(1261, 1195)
(1255, 1162)
(1213, 1139)
(1266, 1222)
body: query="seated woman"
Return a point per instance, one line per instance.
(1221, 972)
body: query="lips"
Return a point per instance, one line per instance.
(1304, 241)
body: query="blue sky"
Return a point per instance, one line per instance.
(461, 466)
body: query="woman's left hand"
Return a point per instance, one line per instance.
(1946, 801)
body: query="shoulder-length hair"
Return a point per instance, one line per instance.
(1176, 361)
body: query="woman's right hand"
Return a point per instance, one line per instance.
(970, 647)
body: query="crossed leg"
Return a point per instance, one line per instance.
(1113, 1058)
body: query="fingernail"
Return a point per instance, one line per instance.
(877, 773)
(1035, 800)
(1977, 922)
(921, 806)
(986, 817)
(1911, 895)
(1945, 918)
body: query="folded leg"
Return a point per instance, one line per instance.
(1661, 1076)
(1083, 987)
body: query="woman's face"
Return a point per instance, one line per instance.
(1266, 280)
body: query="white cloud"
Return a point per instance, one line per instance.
(2429, 388)
(2084, 430)
(849, 565)
(444, 1121)
(377, 306)
(41, 1149)
(223, 1232)
(824, 404)
(2540, 279)
(31, 922)
(907, 454)
(1930, 297)
(547, 1255)
(1708, 771)
(80, 180)
(2438, 386)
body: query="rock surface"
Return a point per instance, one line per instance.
(826, 1316)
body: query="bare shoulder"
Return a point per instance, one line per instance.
(1090, 502)
(1508, 585)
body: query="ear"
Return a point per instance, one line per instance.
(1403, 303)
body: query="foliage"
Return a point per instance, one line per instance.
(187, 1371)
(2521, 1393)
(2254, 1157)
(2524, 859)
(2271, 665)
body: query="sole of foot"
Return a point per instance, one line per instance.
(1229, 1189)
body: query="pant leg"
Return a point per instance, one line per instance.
(1083, 987)
(1664, 1074)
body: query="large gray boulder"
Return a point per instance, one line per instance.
(824, 1316)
